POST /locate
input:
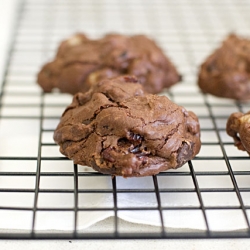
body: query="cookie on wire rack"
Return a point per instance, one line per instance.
(238, 127)
(127, 133)
(226, 72)
(81, 62)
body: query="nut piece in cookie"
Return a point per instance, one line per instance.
(127, 133)
(238, 127)
(81, 62)
(226, 73)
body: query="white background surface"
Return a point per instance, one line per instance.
(7, 8)
(5, 13)
(127, 244)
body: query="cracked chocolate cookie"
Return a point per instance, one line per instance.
(226, 73)
(238, 127)
(127, 134)
(81, 62)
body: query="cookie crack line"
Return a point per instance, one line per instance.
(135, 117)
(145, 124)
(119, 104)
(102, 108)
(172, 132)
(108, 97)
(107, 107)
(84, 139)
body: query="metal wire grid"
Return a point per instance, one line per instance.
(188, 32)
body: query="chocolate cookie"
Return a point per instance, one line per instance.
(131, 134)
(81, 62)
(238, 127)
(226, 73)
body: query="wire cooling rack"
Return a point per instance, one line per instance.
(214, 188)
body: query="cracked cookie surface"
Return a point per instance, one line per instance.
(129, 134)
(226, 73)
(81, 62)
